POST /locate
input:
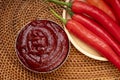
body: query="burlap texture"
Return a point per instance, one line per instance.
(14, 14)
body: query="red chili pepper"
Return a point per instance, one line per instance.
(100, 16)
(81, 7)
(90, 38)
(103, 6)
(115, 5)
(79, 31)
(98, 30)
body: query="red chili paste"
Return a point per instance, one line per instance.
(42, 46)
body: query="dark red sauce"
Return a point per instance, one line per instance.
(42, 46)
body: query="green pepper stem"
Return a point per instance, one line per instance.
(61, 3)
(69, 11)
(58, 16)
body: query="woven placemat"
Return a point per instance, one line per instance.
(14, 14)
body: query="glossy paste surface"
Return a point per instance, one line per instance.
(42, 45)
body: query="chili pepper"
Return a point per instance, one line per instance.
(90, 38)
(81, 7)
(98, 30)
(100, 16)
(115, 5)
(103, 6)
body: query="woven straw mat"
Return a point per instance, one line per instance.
(14, 14)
